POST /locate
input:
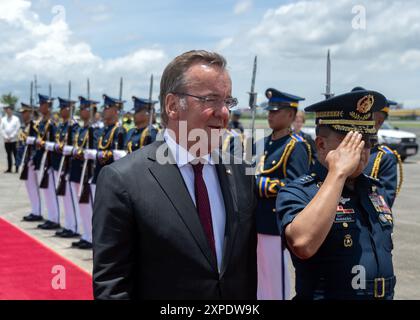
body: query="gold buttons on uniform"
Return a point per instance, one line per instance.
(345, 225)
(274, 210)
(274, 162)
(265, 152)
(270, 143)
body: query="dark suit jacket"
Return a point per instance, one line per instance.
(148, 242)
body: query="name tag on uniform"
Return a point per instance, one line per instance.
(344, 214)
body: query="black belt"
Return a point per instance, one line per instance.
(380, 287)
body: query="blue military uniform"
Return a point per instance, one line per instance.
(385, 163)
(139, 137)
(46, 132)
(81, 139)
(109, 138)
(85, 138)
(61, 133)
(30, 178)
(24, 132)
(355, 259)
(284, 160)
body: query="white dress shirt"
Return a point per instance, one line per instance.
(9, 128)
(217, 205)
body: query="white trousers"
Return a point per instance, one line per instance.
(50, 197)
(71, 209)
(32, 188)
(93, 190)
(273, 269)
(85, 214)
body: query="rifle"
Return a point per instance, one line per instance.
(253, 105)
(152, 111)
(120, 138)
(28, 148)
(87, 168)
(46, 157)
(87, 172)
(328, 94)
(65, 159)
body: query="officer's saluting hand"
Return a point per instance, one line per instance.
(309, 229)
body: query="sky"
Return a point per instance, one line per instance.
(373, 43)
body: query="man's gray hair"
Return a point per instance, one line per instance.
(173, 77)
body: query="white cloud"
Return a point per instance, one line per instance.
(28, 47)
(292, 40)
(242, 6)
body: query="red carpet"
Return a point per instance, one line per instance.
(26, 270)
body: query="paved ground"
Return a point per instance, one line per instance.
(14, 204)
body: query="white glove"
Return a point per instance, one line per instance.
(90, 154)
(49, 146)
(30, 140)
(118, 154)
(67, 150)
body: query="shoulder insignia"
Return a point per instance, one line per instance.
(297, 137)
(386, 149)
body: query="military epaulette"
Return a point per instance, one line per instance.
(297, 137)
(386, 149)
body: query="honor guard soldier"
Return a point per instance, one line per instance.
(234, 136)
(110, 138)
(140, 135)
(298, 129)
(62, 163)
(25, 153)
(385, 163)
(336, 221)
(286, 157)
(84, 139)
(44, 164)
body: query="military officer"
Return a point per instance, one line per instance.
(233, 139)
(45, 164)
(235, 121)
(285, 158)
(297, 129)
(139, 136)
(85, 135)
(110, 138)
(27, 137)
(61, 158)
(336, 221)
(385, 163)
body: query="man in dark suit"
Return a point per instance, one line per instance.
(172, 221)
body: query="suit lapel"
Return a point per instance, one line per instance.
(228, 188)
(170, 180)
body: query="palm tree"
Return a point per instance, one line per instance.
(9, 99)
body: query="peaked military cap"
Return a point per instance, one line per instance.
(45, 99)
(351, 111)
(87, 103)
(279, 100)
(140, 104)
(112, 102)
(65, 103)
(386, 107)
(26, 107)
